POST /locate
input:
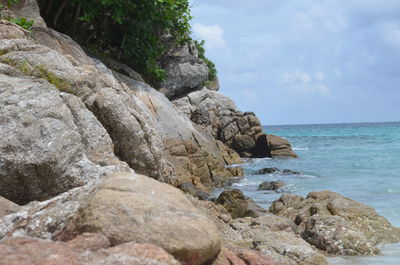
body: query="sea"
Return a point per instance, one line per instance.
(358, 160)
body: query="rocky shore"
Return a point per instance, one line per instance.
(98, 167)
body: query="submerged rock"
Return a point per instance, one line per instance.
(238, 205)
(336, 224)
(271, 185)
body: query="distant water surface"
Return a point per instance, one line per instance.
(360, 161)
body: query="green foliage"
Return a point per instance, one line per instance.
(137, 32)
(212, 75)
(22, 22)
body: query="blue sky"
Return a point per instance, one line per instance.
(305, 61)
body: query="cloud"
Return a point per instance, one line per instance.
(213, 35)
(305, 83)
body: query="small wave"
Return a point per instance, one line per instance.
(308, 176)
(298, 148)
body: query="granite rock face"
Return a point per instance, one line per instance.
(185, 71)
(219, 116)
(145, 130)
(51, 142)
(336, 224)
(139, 215)
(7, 207)
(25, 250)
(124, 207)
(272, 236)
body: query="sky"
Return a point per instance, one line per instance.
(305, 61)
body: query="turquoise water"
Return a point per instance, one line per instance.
(360, 161)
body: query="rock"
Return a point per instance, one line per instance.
(88, 242)
(131, 254)
(271, 185)
(196, 157)
(10, 30)
(122, 69)
(188, 187)
(185, 71)
(239, 206)
(200, 116)
(61, 43)
(22, 251)
(213, 84)
(242, 257)
(29, 10)
(237, 130)
(243, 143)
(83, 250)
(147, 211)
(291, 172)
(7, 207)
(51, 142)
(279, 147)
(267, 170)
(274, 236)
(336, 224)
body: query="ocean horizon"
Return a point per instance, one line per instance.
(357, 160)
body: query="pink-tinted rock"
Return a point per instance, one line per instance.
(251, 257)
(23, 251)
(131, 254)
(242, 257)
(89, 241)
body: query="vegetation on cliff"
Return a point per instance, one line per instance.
(137, 32)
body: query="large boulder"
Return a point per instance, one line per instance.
(51, 141)
(136, 208)
(185, 71)
(336, 224)
(124, 207)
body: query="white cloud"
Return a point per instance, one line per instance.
(305, 83)
(213, 35)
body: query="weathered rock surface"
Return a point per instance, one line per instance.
(271, 185)
(140, 121)
(25, 250)
(51, 142)
(271, 235)
(238, 205)
(21, 251)
(61, 43)
(242, 257)
(336, 224)
(27, 9)
(139, 215)
(219, 116)
(184, 71)
(279, 147)
(124, 208)
(7, 207)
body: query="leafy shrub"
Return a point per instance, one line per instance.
(22, 22)
(136, 32)
(212, 74)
